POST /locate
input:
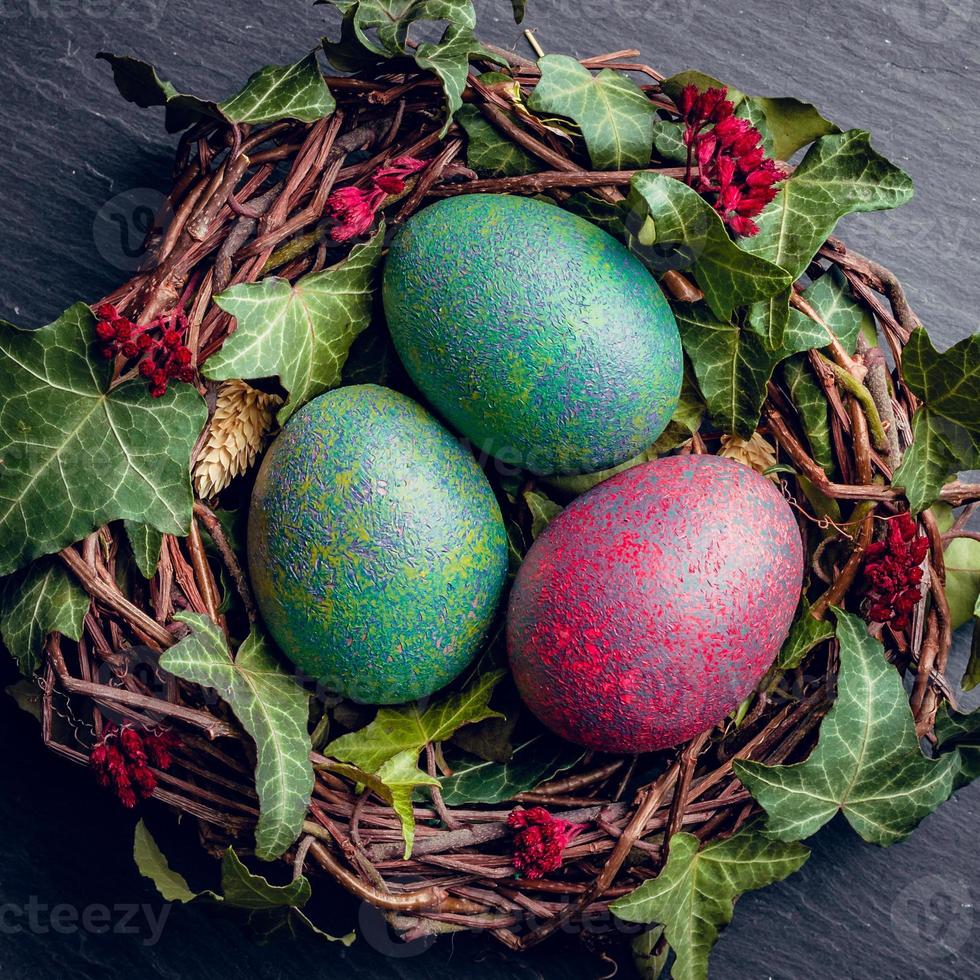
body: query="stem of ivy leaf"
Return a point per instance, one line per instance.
(854, 387)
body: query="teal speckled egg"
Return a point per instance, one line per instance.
(376, 547)
(533, 332)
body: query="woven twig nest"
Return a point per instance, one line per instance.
(249, 200)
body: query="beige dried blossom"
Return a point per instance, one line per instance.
(243, 417)
(756, 452)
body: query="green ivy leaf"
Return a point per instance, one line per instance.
(649, 963)
(74, 454)
(867, 763)
(805, 634)
(282, 92)
(302, 332)
(614, 115)
(535, 761)
(543, 511)
(382, 26)
(832, 298)
(40, 599)
(808, 397)
(272, 708)
(146, 543)
(668, 140)
(670, 226)
(395, 730)
(449, 59)
(395, 782)
(946, 428)
(693, 896)
(959, 735)
(275, 92)
(839, 175)
(488, 152)
(270, 907)
(732, 364)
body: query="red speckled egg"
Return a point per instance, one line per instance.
(652, 605)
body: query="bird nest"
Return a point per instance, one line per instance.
(249, 201)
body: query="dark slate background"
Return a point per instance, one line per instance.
(78, 169)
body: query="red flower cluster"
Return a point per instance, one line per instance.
(163, 357)
(734, 173)
(539, 840)
(892, 573)
(355, 208)
(122, 758)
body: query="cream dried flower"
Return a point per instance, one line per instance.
(243, 417)
(756, 452)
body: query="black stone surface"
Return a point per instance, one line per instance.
(906, 70)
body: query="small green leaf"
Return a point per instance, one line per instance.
(939, 449)
(537, 760)
(615, 117)
(488, 152)
(449, 59)
(272, 708)
(139, 83)
(805, 634)
(410, 727)
(867, 763)
(810, 402)
(649, 963)
(74, 454)
(302, 332)
(839, 175)
(668, 140)
(732, 364)
(670, 226)
(382, 26)
(832, 298)
(959, 735)
(153, 864)
(693, 896)
(282, 92)
(543, 511)
(146, 543)
(519, 7)
(40, 599)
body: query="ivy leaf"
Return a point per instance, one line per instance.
(867, 763)
(668, 140)
(275, 92)
(282, 92)
(488, 152)
(959, 735)
(272, 708)
(614, 115)
(732, 364)
(693, 896)
(670, 226)
(805, 634)
(519, 6)
(139, 83)
(832, 298)
(146, 543)
(808, 397)
(648, 962)
(449, 59)
(382, 26)
(839, 175)
(946, 428)
(396, 730)
(75, 455)
(543, 511)
(535, 761)
(302, 332)
(40, 599)
(395, 782)
(270, 907)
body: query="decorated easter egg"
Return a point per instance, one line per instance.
(376, 546)
(652, 605)
(533, 332)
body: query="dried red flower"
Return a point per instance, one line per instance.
(540, 840)
(733, 172)
(354, 208)
(122, 757)
(892, 573)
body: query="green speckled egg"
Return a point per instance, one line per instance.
(376, 547)
(533, 332)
